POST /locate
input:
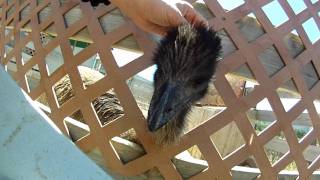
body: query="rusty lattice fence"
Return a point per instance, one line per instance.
(281, 62)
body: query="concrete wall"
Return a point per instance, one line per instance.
(30, 147)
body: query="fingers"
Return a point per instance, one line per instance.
(190, 14)
(174, 16)
(175, 19)
(152, 27)
(164, 13)
(183, 13)
(158, 16)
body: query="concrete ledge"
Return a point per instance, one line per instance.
(30, 148)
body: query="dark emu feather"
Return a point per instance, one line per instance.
(95, 3)
(186, 59)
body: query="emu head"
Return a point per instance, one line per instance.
(186, 59)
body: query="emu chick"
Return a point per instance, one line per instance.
(186, 59)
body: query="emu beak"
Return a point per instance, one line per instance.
(164, 108)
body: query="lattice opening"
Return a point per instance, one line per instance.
(182, 162)
(27, 52)
(250, 162)
(63, 90)
(76, 126)
(228, 5)
(43, 100)
(205, 109)
(44, 13)
(48, 34)
(271, 61)
(212, 98)
(111, 21)
(91, 71)
(236, 85)
(294, 43)
(54, 60)
(228, 139)
(108, 107)
(126, 50)
(297, 6)
(310, 74)
(314, 1)
(63, 2)
(39, 2)
(228, 47)
(131, 140)
(42, 103)
(33, 78)
(201, 7)
(9, 29)
(316, 104)
(11, 66)
(277, 17)
(288, 94)
(79, 46)
(25, 12)
(25, 30)
(9, 46)
(72, 16)
(290, 167)
(154, 172)
(312, 153)
(95, 155)
(141, 87)
(262, 116)
(10, 12)
(9, 2)
(312, 30)
(276, 148)
(250, 27)
(302, 125)
(1, 18)
(242, 80)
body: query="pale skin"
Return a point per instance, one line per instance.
(158, 16)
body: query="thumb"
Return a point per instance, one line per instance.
(190, 14)
(175, 17)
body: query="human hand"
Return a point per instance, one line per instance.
(158, 16)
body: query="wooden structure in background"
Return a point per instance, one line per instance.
(283, 64)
